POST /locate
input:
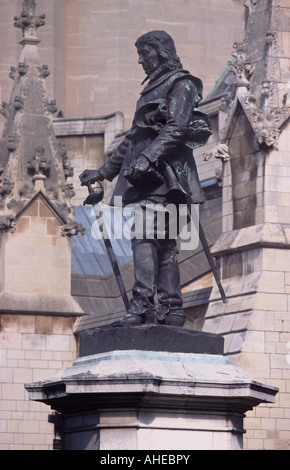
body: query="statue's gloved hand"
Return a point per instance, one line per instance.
(141, 166)
(90, 176)
(142, 173)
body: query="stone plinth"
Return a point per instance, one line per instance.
(149, 338)
(138, 399)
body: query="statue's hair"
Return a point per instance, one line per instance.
(164, 45)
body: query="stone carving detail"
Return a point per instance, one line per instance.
(266, 88)
(264, 119)
(270, 36)
(72, 228)
(241, 66)
(43, 71)
(34, 162)
(250, 8)
(4, 109)
(28, 7)
(69, 190)
(51, 107)
(22, 69)
(62, 151)
(28, 21)
(12, 142)
(39, 163)
(6, 187)
(64, 207)
(13, 73)
(7, 224)
(26, 191)
(221, 151)
(13, 204)
(18, 103)
(260, 98)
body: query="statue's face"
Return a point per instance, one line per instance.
(149, 59)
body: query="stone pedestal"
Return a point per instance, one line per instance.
(133, 399)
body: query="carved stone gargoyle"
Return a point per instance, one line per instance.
(39, 164)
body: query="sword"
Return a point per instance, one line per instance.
(189, 202)
(95, 196)
(203, 240)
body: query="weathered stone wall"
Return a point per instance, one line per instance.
(33, 347)
(277, 190)
(102, 70)
(36, 259)
(36, 322)
(254, 258)
(267, 346)
(89, 47)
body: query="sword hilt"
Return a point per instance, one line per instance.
(96, 194)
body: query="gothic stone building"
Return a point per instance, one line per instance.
(55, 280)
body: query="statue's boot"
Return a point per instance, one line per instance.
(167, 315)
(170, 310)
(140, 310)
(156, 269)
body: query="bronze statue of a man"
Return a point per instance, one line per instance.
(155, 165)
